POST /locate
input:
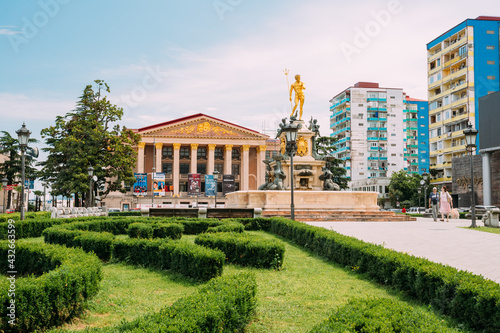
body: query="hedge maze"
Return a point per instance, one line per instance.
(64, 277)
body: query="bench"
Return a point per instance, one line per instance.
(67, 212)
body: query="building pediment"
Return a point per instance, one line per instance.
(200, 126)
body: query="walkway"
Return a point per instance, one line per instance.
(474, 251)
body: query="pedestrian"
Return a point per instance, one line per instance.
(403, 210)
(445, 204)
(434, 203)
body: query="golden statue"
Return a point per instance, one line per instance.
(298, 87)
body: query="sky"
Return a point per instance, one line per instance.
(224, 58)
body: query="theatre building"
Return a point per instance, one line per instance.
(198, 145)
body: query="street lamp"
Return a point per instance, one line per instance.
(91, 173)
(425, 176)
(216, 177)
(5, 181)
(470, 140)
(23, 135)
(419, 190)
(291, 131)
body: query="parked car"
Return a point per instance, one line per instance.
(113, 210)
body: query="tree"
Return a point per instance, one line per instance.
(89, 136)
(324, 150)
(404, 187)
(11, 168)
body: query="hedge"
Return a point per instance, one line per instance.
(225, 304)
(244, 249)
(227, 227)
(381, 315)
(61, 282)
(129, 213)
(189, 259)
(155, 230)
(469, 298)
(27, 215)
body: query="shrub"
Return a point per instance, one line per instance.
(197, 226)
(227, 227)
(140, 230)
(168, 230)
(225, 304)
(27, 216)
(129, 213)
(29, 228)
(381, 315)
(245, 250)
(62, 280)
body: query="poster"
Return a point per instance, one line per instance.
(194, 184)
(209, 186)
(227, 184)
(159, 184)
(141, 184)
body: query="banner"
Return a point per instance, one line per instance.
(227, 184)
(159, 184)
(141, 184)
(209, 186)
(194, 184)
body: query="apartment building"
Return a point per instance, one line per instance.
(463, 65)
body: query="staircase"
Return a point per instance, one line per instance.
(338, 215)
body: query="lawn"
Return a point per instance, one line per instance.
(485, 229)
(294, 299)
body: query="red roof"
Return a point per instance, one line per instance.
(408, 98)
(488, 18)
(151, 127)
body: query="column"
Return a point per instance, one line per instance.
(159, 156)
(140, 157)
(486, 178)
(194, 158)
(211, 159)
(175, 169)
(261, 170)
(228, 159)
(245, 168)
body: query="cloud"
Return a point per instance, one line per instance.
(5, 30)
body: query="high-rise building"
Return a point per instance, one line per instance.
(378, 131)
(463, 65)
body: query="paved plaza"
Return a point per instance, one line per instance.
(474, 251)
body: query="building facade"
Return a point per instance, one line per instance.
(463, 65)
(197, 144)
(378, 131)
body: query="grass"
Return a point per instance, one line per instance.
(485, 229)
(304, 293)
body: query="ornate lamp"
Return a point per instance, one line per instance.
(23, 135)
(470, 140)
(291, 131)
(216, 177)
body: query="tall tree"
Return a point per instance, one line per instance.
(11, 168)
(89, 136)
(405, 188)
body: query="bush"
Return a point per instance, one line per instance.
(168, 230)
(29, 228)
(62, 280)
(129, 213)
(227, 227)
(245, 250)
(467, 297)
(381, 315)
(225, 304)
(197, 226)
(27, 216)
(140, 230)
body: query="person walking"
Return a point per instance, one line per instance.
(434, 203)
(445, 204)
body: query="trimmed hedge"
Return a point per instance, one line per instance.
(244, 249)
(381, 315)
(140, 230)
(129, 213)
(27, 215)
(155, 230)
(227, 227)
(63, 279)
(29, 228)
(467, 297)
(189, 259)
(225, 304)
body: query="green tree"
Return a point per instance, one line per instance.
(11, 168)
(89, 136)
(405, 188)
(324, 149)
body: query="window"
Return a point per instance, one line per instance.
(462, 50)
(202, 153)
(393, 134)
(490, 62)
(361, 124)
(184, 152)
(167, 168)
(490, 32)
(235, 169)
(236, 154)
(201, 168)
(490, 77)
(393, 145)
(184, 168)
(219, 168)
(219, 154)
(167, 152)
(490, 47)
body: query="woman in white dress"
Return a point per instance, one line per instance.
(445, 204)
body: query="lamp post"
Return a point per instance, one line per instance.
(291, 131)
(216, 177)
(90, 170)
(23, 135)
(470, 140)
(425, 176)
(5, 181)
(419, 190)
(197, 189)
(153, 174)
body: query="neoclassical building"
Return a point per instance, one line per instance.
(197, 144)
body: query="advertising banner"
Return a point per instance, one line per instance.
(159, 184)
(209, 185)
(227, 184)
(194, 184)
(141, 184)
